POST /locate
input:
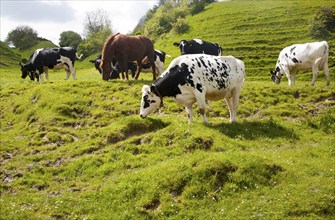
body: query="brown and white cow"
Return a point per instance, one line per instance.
(304, 57)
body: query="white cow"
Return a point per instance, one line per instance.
(197, 78)
(310, 56)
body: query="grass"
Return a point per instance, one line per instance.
(78, 149)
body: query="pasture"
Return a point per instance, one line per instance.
(78, 149)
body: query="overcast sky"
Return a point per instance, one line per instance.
(51, 18)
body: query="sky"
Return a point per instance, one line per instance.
(50, 18)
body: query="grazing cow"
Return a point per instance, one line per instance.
(50, 58)
(197, 46)
(159, 59)
(310, 56)
(96, 63)
(116, 69)
(126, 48)
(115, 74)
(197, 78)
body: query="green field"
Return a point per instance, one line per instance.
(78, 149)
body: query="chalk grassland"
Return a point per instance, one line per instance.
(79, 150)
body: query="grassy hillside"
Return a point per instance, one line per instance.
(78, 149)
(7, 55)
(254, 31)
(11, 57)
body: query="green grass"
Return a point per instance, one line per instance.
(78, 149)
(253, 31)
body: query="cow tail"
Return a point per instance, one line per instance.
(220, 51)
(79, 57)
(325, 56)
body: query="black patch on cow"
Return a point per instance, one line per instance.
(147, 102)
(177, 75)
(203, 62)
(292, 49)
(294, 60)
(277, 69)
(286, 55)
(199, 87)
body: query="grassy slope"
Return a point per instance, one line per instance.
(8, 56)
(254, 31)
(78, 149)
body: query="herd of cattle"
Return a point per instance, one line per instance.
(201, 73)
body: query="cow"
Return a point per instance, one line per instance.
(304, 57)
(50, 58)
(159, 59)
(196, 78)
(96, 63)
(197, 46)
(115, 74)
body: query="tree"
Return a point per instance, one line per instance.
(22, 37)
(96, 21)
(69, 38)
(323, 25)
(94, 43)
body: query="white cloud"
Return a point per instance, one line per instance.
(50, 18)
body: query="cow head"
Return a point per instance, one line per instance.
(150, 100)
(24, 70)
(184, 46)
(106, 68)
(115, 74)
(276, 75)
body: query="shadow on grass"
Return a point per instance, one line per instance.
(252, 130)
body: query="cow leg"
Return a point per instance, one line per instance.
(189, 113)
(326, 71)
(315, 74)
(230, 104)
(153, 66)
(72, 71)
(68, 73)
(139, 65)
(293, 79)
(202, 105)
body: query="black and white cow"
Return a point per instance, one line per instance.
(115, 74)
(159, 59)
(304, 57)
(197, 78)
(50, 58)
(197, 46)
(96, 63)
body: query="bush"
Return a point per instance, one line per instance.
(181, 27)
(94, 43)
(323, 25)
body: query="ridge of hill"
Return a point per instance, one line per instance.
(253, 31)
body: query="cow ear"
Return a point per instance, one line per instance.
(145, 89)
(272, 72)
(152, 88)
(176, 44)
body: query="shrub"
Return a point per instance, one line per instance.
(181, 27)
(323, 25)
